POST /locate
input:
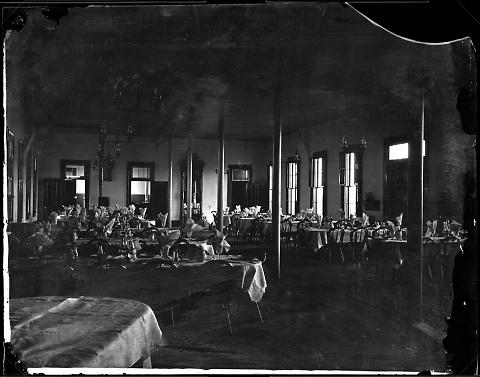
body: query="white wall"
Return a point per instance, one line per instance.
(83, 147)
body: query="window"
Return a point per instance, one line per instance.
(10, 159)
(78, 171)
(74, 171)
(35, 185)
(241, 175)
(292, 186)
(28, 185)
(318, 182)
(140, 177)
(20, 182)
(400, 151)
(351, 182)
(270, 185)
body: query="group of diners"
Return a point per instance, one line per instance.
(115, 233)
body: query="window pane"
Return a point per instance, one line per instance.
(241, 175)
(400, 151)
(140, 191)
(80, 186)
(138, 188)
(352, 200)
(352, 169)
(140, 172)
(74, 171)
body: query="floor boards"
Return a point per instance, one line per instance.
(319, 316)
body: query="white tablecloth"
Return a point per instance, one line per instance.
(315, 238)
(82, 332)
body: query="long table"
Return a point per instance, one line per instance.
(86, 332)
(149, 280)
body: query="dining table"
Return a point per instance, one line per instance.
(437, 256)
(314, 239)
(83, 332)
(244, 224)
(154, 280)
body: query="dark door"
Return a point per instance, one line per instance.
(158, 199)
(395, 188)
(55, 193)
(240, 191)
(240, 186)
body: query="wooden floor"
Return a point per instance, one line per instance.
(319, 316)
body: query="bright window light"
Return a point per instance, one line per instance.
(80, 186)
(400, 151)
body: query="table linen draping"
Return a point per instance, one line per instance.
(315, 238)
(90, 332)
(145, 279)
(258, 283)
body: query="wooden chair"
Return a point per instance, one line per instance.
(286, 235)
(335, 243)
(233, 230)
(358, 239)
(300, 233)
(255, 232)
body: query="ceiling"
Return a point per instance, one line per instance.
(165, 69)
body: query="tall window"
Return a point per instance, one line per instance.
(10, 159)
(351, 182)
(35, 185)
(28, 184)
(292, 186)
(78, 171)
(270, 185)
(318, 182)
(20, 182)
(140, 177)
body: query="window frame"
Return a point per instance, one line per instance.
(270, 185)
(151, 179)
(288, 189)
(35, 184)
(20, 179)
(358, 151)
(10, 174)
(28, 184)
(324, 156)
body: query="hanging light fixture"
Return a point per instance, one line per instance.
(106, 160)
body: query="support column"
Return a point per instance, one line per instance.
(25, 172)
(221, 168)
(189, 176)
(100, 181)
(277, 172)
(415, 196)
(170, 182)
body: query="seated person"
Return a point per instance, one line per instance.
(39, 241)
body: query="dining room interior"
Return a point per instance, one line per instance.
(278, 186)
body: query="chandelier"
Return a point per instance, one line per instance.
(104, 160)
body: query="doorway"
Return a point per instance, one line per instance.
(240, 186)
(79, 172)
